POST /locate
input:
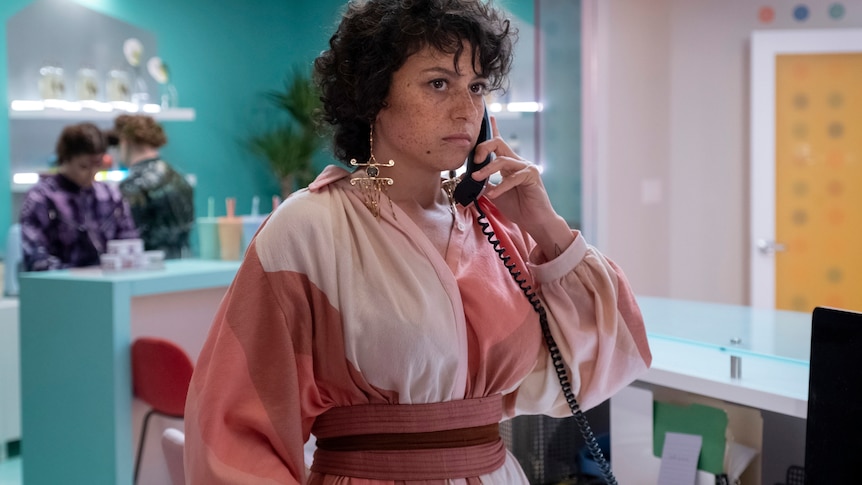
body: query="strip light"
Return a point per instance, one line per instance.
(30, 178)
(25, 178)
(63, 105)
(521, 107)
(525, 107)
(111, 175)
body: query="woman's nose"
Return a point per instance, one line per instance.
(466, 105)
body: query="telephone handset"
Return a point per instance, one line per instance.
(468, 189)
(465, 193)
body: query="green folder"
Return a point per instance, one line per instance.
(706, 421)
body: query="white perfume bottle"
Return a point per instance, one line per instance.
(51, 83)
(117, 86)
(87, 84)
(140, 90)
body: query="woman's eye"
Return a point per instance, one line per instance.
(479, 88)
(438, 84)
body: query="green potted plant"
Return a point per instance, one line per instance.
(291, 145)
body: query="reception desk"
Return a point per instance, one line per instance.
(692, 345)
(78, 423)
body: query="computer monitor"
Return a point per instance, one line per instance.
(833, 442)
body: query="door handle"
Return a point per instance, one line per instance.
(769, 247)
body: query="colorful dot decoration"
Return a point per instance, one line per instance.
(835, 275)
(836, 129)
(836, 11)
(818, 165)
(801, 13)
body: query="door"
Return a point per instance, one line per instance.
(806, 169)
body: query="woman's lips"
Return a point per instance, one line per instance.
(459, 139)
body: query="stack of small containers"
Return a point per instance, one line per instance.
(125, 254)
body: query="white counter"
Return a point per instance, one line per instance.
(10, 385)
(692, 343)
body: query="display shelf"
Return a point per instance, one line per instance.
(173, 114)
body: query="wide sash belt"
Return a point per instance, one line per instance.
(455, 439)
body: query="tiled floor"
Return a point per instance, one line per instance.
(10, 471)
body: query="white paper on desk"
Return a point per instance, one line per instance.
(679, 459)
(736, 459)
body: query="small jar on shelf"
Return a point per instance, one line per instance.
(51, 83)
(87, 84)
(140, 90)
(117, 87)
(169, 97)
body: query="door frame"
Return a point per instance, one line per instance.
(765, 46)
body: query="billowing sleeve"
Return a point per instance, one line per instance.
(596, 322)
(244, 421)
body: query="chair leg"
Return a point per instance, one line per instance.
(140, 452)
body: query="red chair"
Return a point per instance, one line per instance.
(161, 372)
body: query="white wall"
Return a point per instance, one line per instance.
(672, 78)
(626, 137)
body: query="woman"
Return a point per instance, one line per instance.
(377, 316)
(68, 218)
(161, 199)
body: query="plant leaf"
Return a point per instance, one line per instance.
(290, 147)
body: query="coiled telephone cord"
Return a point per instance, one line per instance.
(553, 349)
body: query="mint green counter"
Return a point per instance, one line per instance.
(76, 330)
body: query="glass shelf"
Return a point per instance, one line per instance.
(737, 330)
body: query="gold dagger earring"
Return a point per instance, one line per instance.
(449, 189)
(372, 185)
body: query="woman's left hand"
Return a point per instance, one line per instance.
(521, 194)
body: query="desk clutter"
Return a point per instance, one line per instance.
(228, 237)
(129, 254)
(660, 436)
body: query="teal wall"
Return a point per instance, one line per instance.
(222, 56)
(559, 21)
(523, 9)
(7, 9)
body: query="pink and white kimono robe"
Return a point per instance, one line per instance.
(332, 307)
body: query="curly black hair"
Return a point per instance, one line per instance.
(80, 139)
(373, 40)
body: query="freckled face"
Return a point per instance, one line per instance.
(433, 113)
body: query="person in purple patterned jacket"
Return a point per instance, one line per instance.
(68, 218)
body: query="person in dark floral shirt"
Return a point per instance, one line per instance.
(68, 218)
(160, 198)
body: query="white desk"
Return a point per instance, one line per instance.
(692, 344)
